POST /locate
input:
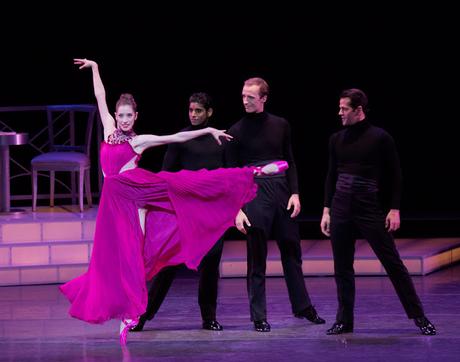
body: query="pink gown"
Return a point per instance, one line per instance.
(188, 211)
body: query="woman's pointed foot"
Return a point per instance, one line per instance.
(140, 325)
(125, 326)
(273, 168)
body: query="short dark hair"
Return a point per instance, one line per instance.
(202, 98)
(357, 98)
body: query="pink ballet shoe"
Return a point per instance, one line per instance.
(125, 326)
(272, 168)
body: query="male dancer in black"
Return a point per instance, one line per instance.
(201, 152)
(260, 137)
(359, 156)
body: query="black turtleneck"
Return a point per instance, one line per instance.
(368, 151)
(198, 153)
(260, 137)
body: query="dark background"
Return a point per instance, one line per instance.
(404, 59)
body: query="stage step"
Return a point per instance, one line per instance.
(54, 245)
(421, 257)
(50, 246)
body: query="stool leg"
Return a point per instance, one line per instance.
(34, 190)
(89, 198)
(52, 179)
(72, 186)
(81, 179)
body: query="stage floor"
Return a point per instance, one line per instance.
(35, 326)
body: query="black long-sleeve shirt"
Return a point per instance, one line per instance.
(195, 154)
(368, 151)
(262, 137)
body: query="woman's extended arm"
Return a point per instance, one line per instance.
(141, 142)
(99, 91)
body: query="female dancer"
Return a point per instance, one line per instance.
(187, 212)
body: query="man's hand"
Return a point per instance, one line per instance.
(326, 222)
(240, 220)
(392, 221)
(294, 202)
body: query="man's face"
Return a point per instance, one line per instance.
(252, 101)
(198, 114)
(349, 115)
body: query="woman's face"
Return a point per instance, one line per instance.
(125, 117)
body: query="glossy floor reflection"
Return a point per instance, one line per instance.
(34, 326)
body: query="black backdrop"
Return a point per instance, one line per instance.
(404, 60)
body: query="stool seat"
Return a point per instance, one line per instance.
(64, 159)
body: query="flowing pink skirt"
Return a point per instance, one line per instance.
(188, 212)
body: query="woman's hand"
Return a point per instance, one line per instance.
(217, 133)
(84, 63)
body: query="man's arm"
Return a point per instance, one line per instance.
(291, 173)
(231, 156)
(393, 169)
(329, 189)
(331, 178)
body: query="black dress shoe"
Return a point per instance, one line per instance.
(427, 328)
(140, 326)
(311, 314)
(262, 326)
(212, 325)
(339, 328)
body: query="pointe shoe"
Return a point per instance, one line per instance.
(427, 328)
(125, 326)
(272, 168)
(311, 314)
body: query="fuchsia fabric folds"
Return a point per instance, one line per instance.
(187, 212)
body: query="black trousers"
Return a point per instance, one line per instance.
(268, 216)
(353, 212)
(208, 285)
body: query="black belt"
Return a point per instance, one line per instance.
(354, 183)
